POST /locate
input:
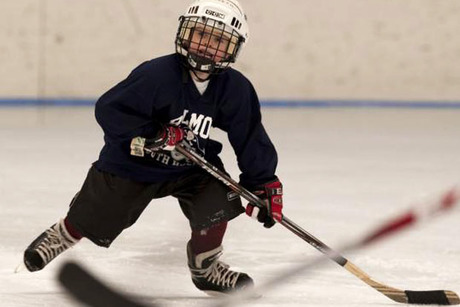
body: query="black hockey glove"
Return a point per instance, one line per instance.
(272, 194)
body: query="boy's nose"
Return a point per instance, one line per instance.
(203, 47)
(206, 45)
(205, 41)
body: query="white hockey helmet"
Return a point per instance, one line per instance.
(222, 19)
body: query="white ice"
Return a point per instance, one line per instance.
(344, 171)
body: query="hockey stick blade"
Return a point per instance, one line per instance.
(439, 297)
(428, 297)
(87, 289)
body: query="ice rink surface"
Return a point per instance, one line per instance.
(344, 171)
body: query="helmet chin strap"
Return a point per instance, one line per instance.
(200, 63)
(195, 73)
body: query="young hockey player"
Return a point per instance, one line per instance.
(171, 100)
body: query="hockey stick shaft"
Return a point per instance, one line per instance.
(448, 201)
(232, 184)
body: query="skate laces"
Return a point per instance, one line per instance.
(219, 274)
(53, 243)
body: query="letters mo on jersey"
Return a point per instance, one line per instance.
(198, 123)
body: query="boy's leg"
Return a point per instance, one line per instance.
(205, 201)
(203, 240)
(105, 206)
(108, 204)
(209, 274)
(208, 204)
(47, 246)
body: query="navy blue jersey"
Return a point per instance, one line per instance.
(161, 91)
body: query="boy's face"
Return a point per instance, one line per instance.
(209, 42)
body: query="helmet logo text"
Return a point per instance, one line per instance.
(215, 14)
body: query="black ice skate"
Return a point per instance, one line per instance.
(213, 276)
(47, 246)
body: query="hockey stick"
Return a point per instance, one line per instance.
(438, 297)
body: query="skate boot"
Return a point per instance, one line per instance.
(47, 246)
(213, 276)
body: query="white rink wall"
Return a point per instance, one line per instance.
(403, 50)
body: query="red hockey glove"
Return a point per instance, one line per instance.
(167, 138)
(272, 193)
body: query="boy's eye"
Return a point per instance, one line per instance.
(222, 40)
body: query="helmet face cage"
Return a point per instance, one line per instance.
(207, 44)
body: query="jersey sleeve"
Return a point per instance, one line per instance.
(241, 118)
(126, 109)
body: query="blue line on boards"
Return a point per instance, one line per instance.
(266, 103)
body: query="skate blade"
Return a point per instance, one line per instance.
(218, 294)
(20, 268)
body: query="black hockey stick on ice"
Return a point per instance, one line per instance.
(85, 288)
(437, 297)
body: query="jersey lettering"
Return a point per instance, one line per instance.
(198, 123)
